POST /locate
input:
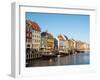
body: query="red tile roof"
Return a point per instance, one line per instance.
(34, 25)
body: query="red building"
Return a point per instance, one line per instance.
(33, 38)
(28, 35)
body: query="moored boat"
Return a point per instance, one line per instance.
(48, 54)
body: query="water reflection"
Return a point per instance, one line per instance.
(73, 59)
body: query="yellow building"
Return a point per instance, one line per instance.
(50, 42)
(47, 41)
(84, 46)
(71, 44)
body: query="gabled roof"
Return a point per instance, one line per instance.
(66, 37)
(44, 34)
(62, 37)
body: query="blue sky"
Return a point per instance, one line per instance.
(72, 25)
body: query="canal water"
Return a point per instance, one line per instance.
(72, 59)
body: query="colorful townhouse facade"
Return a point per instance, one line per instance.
(33, 39)
(47, 41)
(44, 41)
(63, 44)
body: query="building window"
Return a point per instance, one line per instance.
(27, 34)
(27, 28)
(28, 45)
(30, 35)
(28, 40)
(30, 29)
(32, 45)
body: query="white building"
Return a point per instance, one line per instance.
(36, 36)
(63, 44)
